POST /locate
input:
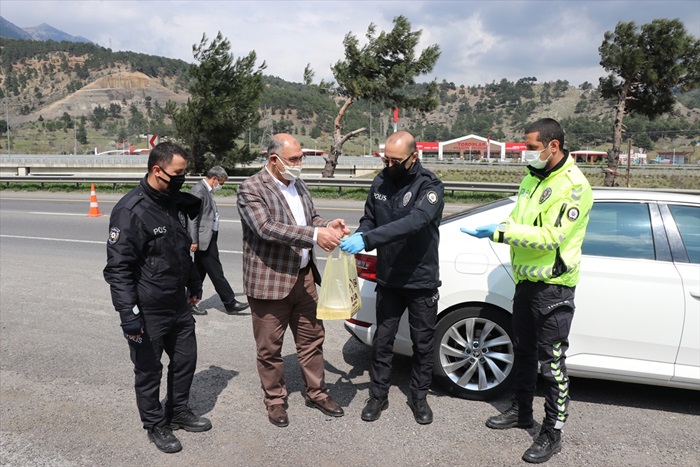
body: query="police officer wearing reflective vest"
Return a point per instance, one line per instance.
(401, 220)
(545, 232)
(153, 280)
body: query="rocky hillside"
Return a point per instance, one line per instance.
(42, 82)
(116, 85)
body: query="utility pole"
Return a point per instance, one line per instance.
(7, 123)
(75, 138)
(629, 159)
(370, 128)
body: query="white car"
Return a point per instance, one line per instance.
(637, 315)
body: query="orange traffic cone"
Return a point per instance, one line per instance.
(94, 208)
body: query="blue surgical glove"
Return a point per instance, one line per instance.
(353, 244)
(481, 232)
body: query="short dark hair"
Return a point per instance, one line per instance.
(548, 129)
(163, 154)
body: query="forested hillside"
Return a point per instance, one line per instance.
(108, 97)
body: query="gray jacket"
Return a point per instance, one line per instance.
(201, 228)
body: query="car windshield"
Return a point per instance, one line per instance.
(477, 209)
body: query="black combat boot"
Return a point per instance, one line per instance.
(373, 409)
(511, 418)
(421, 411)
(547, 443)
(189, 422)
(164, 439)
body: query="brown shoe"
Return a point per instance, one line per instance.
(328, 406)
(277, 415)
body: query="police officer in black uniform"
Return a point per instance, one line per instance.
(153, 279)
(402, 216)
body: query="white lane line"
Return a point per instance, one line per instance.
(238, 221)
(235, 252)
(232, 221)
(61, 214)
(67, 240)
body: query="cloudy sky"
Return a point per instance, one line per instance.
(481, 41)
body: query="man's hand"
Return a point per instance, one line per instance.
(339, 226)
(194, 297)
(194, 247)
(327, 238)
(131, 323)
(353, 244)
(481, 232)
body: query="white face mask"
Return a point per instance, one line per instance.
(291, 172)
(217, 187)
(533, 158)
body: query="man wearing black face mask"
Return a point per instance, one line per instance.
(153, 281)
(401, 220)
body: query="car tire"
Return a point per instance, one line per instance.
(462, 365)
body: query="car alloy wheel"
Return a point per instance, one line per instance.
(474, 352)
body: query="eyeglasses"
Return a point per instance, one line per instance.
(394, 161)
(293, 160)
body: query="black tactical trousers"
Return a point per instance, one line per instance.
(422, 314)
(542, 316)
(174, 333)
(208, 262)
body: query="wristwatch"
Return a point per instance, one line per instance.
(501, 231)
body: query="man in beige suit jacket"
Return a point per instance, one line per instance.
(280, 229)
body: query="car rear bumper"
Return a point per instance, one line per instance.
(363, 331)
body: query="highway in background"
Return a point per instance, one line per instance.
(66, 382)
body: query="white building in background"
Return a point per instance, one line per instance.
(638, 157)
(472, 147)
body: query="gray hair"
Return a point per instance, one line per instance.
(276, 146)
(218, 172)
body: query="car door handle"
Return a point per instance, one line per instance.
(695, 295)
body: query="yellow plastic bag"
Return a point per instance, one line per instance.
(339, 297)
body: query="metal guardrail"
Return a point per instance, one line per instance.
(339, 183)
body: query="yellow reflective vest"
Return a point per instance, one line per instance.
(546, 228)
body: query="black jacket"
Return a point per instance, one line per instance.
(148, 251)
(402, 221)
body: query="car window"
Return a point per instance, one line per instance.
(688, 221)
(619, 230)
(479, 208)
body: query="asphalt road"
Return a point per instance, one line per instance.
(66, 382)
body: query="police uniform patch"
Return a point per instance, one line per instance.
(407, 198)
(432, 197)
(183, 219)
(572, 215)
(113, 235)
(545, 195)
